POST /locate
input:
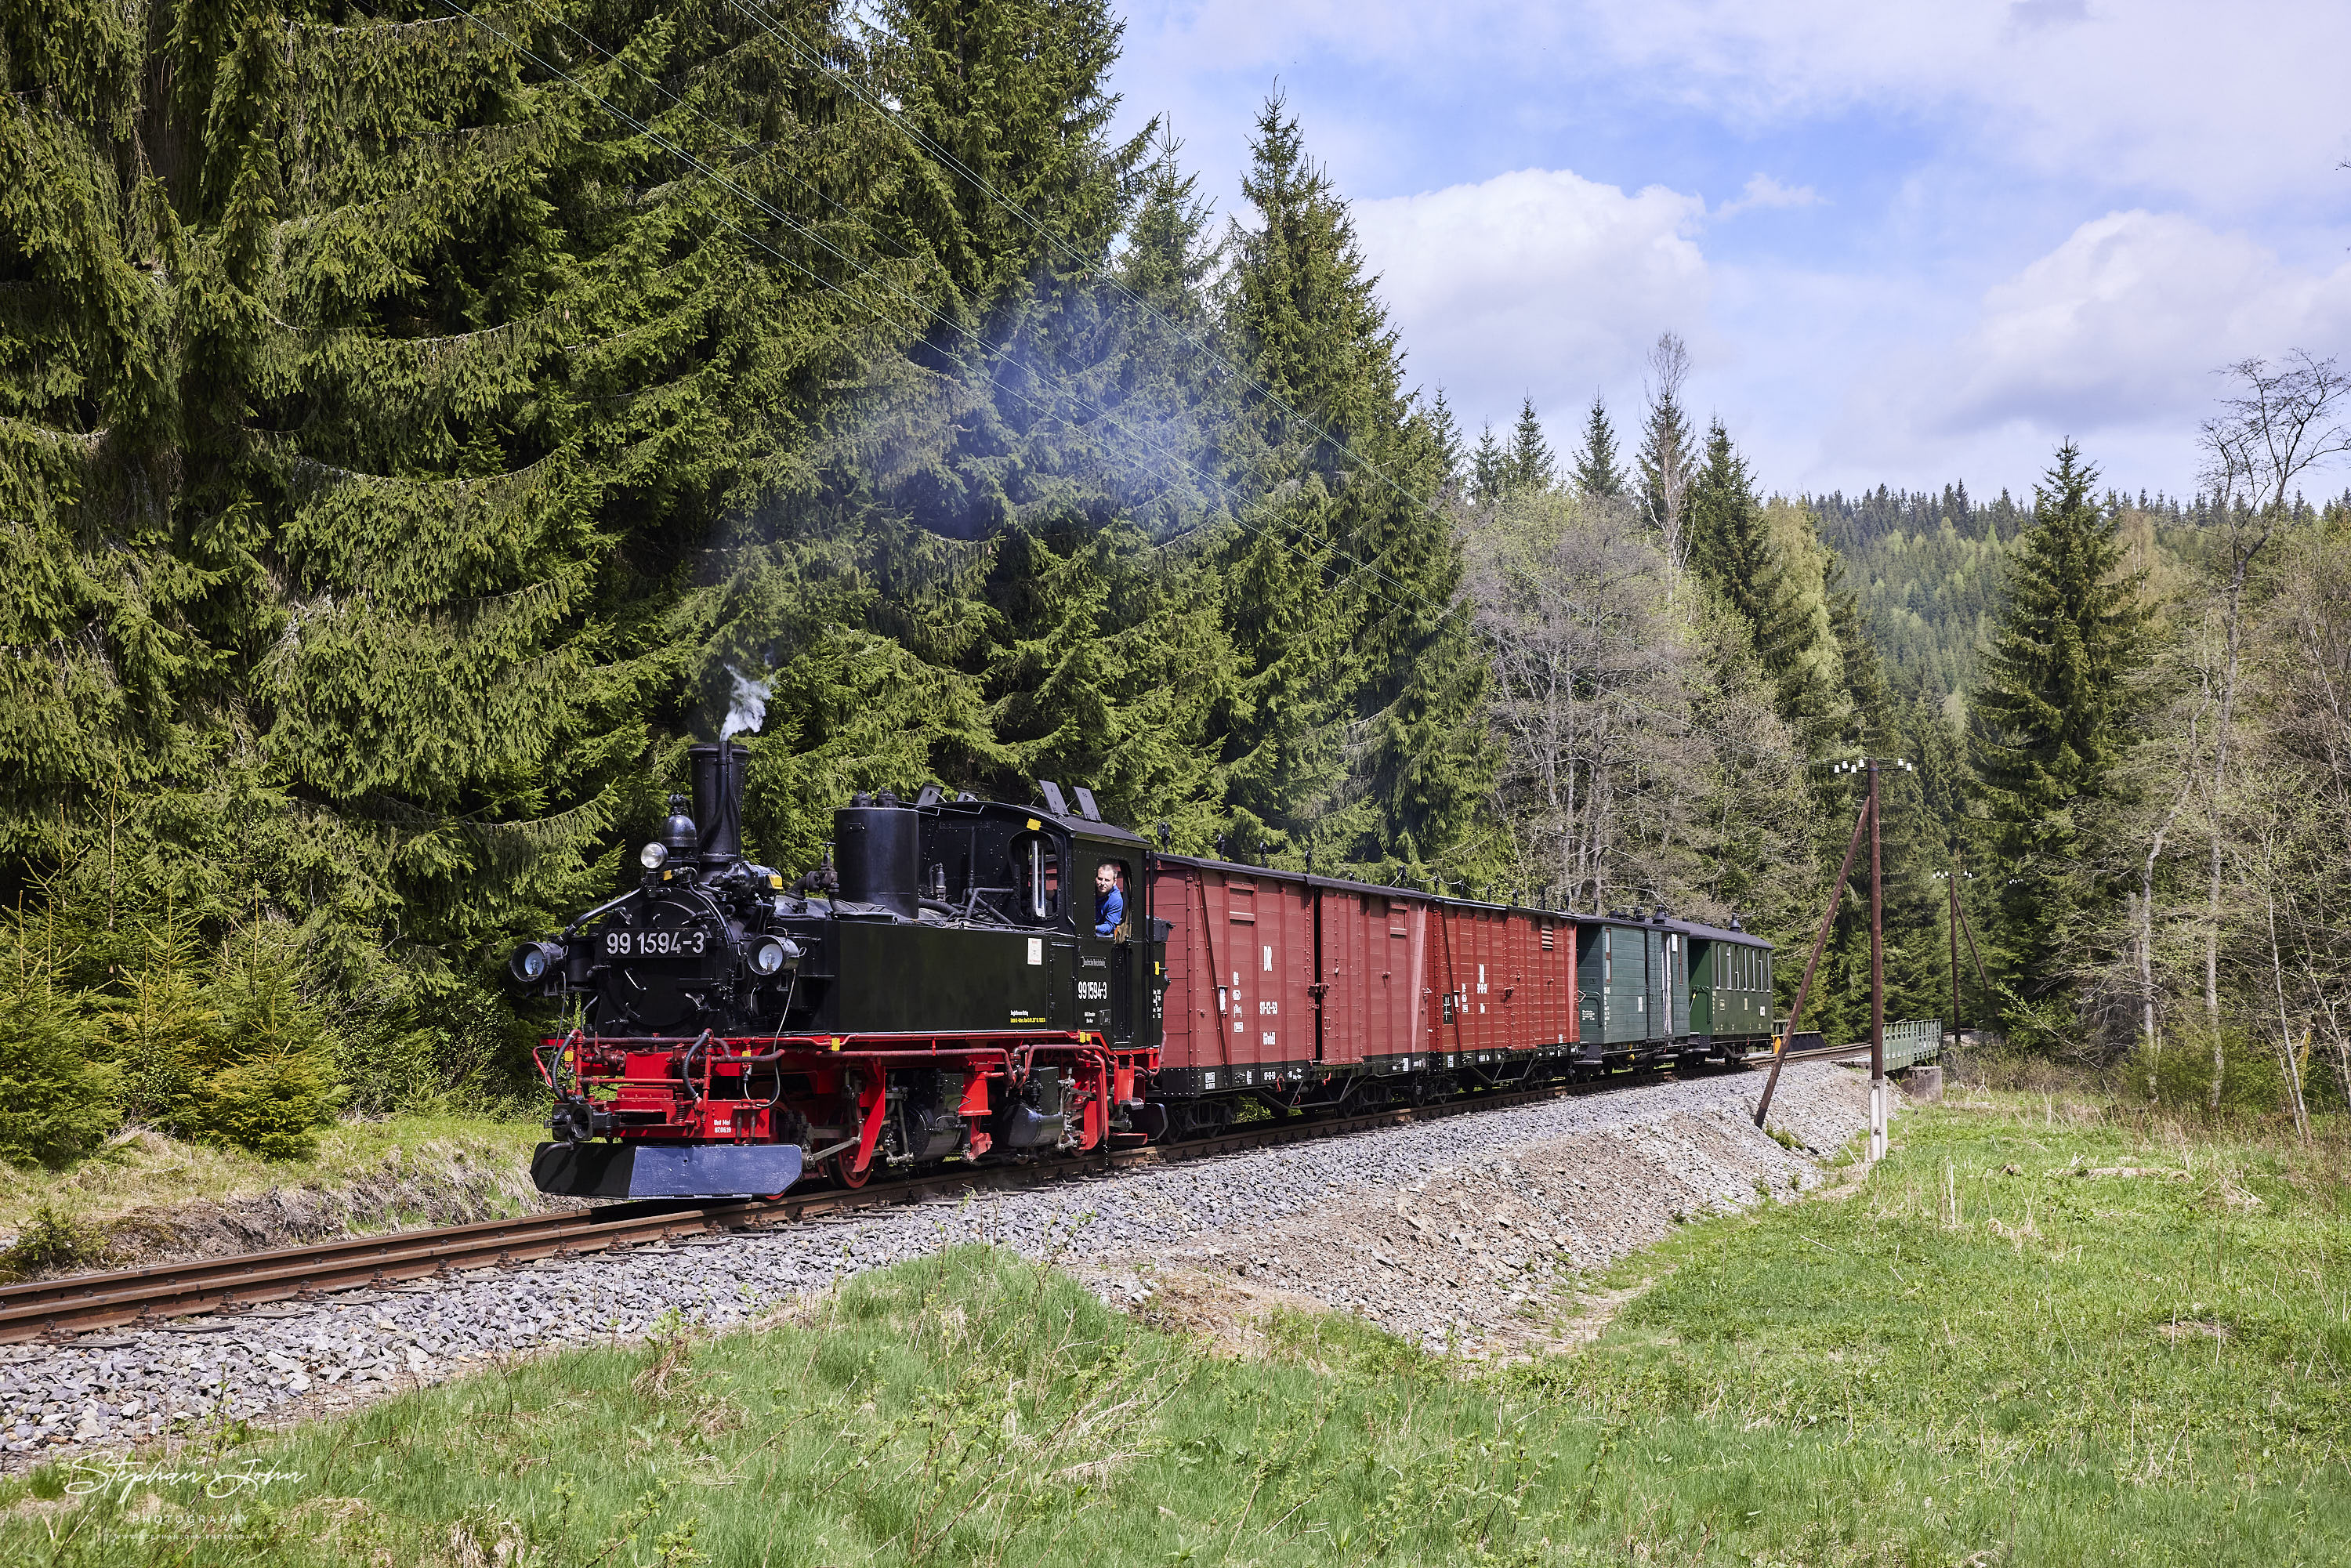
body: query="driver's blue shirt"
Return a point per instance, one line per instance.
(1109, 910)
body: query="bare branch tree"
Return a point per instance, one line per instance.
(2276, 422)
(1668, 457)
(2279, 422)
(1622, 748)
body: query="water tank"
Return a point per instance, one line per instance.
(879, 848)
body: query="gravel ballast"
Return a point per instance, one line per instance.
(1579, 1180)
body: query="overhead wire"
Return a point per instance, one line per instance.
(1234, 496)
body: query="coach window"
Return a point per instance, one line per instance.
(1037, 872)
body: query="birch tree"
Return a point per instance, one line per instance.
(1642, 760)
(2276, 421)
(1669, 457)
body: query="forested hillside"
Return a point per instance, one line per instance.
(418, 426)
(1927, 571)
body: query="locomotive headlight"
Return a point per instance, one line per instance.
(653, 856)
(770, 954)
(532, 960)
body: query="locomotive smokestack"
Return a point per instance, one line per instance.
(718, 800)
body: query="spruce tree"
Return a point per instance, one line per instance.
(1726, 543)
(1667, 467)
(1734, 550)
(1446, 430)
(1010, 97)
(1597, 472)
(1489, 468)
(1016, 192)
(1159, 463)
(1529, 465)
(61, 1097)
(1870, 725)
(2050, 719)
(1102, 669)
(384, 443)
(1356, 724)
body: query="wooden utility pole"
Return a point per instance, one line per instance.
(1959, 927)
(1865, 822)
(1954, 923)
(1876, 979)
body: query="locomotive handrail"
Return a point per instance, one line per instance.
(573, 929)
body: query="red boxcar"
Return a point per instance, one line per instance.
(1240, 1006)
(1505, 989)
(1375, 975)
(1295, 985)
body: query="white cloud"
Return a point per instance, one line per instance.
(1764, 192)
(2112, 338)
(2125, 321)
(2229, 105)
(1536, 281)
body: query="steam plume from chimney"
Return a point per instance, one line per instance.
(750, 710)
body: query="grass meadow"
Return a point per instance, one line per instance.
(1977, 1354)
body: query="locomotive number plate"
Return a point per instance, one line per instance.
(656, 944)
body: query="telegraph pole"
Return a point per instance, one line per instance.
(1954, 922)
(1865, 822)
(1876, 980)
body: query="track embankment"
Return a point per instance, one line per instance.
(434, 1304)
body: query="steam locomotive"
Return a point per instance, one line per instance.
(942, 990)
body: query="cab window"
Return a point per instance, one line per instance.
(1037, 878)
(1091, 900)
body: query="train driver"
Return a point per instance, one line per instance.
(1110, 903)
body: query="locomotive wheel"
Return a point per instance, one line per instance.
(842, 1169)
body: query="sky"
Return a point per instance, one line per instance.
(1906, 244)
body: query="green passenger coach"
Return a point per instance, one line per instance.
(1729, 988)
(1650, 987)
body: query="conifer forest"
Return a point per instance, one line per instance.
(419, 425)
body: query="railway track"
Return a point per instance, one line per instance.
(59, 1309)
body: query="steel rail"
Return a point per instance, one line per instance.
(58, 1309)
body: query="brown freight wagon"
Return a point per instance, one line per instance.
(1505, 995)
(1375, 1004)
(1239, 1010)
(1302, 991)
